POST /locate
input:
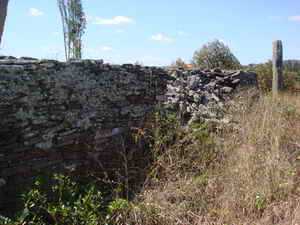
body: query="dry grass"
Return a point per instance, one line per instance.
(261, 164)
(247, 175)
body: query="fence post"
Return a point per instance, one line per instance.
(277, 67)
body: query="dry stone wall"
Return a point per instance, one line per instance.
(56, 115)
(202, 94)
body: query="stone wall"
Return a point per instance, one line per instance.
(56, 115)
(79, 115)
(202, 95)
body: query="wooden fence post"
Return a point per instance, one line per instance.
(277, 67)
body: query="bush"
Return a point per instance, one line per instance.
(66, 204)
(175, 188)
(215, 55)
(265, 76)
(5, 221)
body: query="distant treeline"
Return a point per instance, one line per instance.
(292, 65)
(265, 74)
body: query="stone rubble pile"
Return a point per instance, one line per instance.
(201, 94)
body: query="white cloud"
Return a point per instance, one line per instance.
(89, 18)
(117, 20)
(161, 38)
(35, 12)
(294, 18)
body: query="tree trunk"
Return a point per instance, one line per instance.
(3, 12)
(63, 14)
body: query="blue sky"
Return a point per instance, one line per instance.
(157, 32)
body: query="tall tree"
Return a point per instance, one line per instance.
(216, 55)
(3, 13)
(74, 24)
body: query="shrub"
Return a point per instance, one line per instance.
(66, 204)
(176, 186)
(117, 205)
(164, 131)
(265, 77)
(5, 221)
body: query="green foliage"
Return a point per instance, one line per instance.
(201, 180)
(260, 202)
(193, 149)
(216, 55)
(5, 221)
(291, 80)
(165, 130)
(118, 205)
(265, 75)
(117, 211)
(66, 204)
(201, 133)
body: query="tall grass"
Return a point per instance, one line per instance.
(260, 168)
(233, 177)
(244, 172)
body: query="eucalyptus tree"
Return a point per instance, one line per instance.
(73, 24)
(3, 13)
